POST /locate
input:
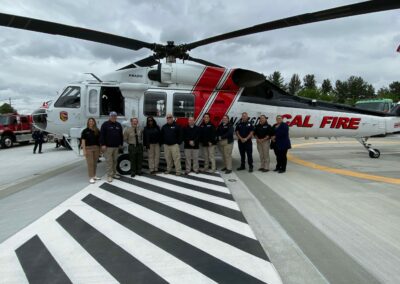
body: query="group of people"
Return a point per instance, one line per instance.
(111, 137)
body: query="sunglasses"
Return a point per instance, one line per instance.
(169, 117)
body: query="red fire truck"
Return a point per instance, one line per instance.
(15, 128)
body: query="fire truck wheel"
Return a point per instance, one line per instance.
(6, 142)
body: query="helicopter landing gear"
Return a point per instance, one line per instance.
(373, 153)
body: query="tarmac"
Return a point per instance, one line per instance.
(331, 218)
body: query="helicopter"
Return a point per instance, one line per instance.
(154, 87)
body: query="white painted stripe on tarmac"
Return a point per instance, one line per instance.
(161, 262)
(198, 183)
(10, 269)
(220, 220)
(74, 260)
(244, 261)
(203, 196)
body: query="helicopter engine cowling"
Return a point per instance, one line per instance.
(183, 74)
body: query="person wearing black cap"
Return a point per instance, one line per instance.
(111, 139)
(244, 132)
(171, 136)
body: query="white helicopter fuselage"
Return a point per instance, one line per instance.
(192, 90)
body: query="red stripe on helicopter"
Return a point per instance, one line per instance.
(223, 100)
(203, 89)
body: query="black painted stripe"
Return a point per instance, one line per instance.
(192, 187)
(163, 165)
(208, 265)
(239, 241)
(206, 180)
(38, 263)
(219, 209)
(120, 264)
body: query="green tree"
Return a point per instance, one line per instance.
(309, 82)
(341, 91)
(310, 93)
(385, 93)
(277, 79)
(294, 85)
(326, 87)
(394, 88)
(7, 108)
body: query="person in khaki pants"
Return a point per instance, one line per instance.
(208, 141)
(90, 145)
(111, 139)
(225, 142)
(191, 135)
(152, 140)
(134, 137)
(263, 133)
(171, 136)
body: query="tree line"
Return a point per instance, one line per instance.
(346, 92)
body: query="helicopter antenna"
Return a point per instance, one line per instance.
(97, 78)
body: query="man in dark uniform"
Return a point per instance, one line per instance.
(263, 133)
(171, 136)
(111, 139)
(191, 134)
(244, 131)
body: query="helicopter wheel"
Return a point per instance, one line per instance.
(124, 164)
(375, 154)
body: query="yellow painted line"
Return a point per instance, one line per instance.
(339, 171)
(341, 142)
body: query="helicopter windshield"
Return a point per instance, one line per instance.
(70, 98)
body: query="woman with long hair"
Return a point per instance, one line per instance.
(152, 141)
(90, 144)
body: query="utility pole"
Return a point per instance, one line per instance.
(10, 101)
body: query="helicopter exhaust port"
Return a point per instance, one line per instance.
(247, 78)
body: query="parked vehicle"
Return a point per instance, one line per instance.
(15, 128)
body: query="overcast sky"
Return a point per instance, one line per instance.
(34, 66)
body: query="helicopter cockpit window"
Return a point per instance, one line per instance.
(70, 98)
(112, 100)
(183, 105)
(155, 104)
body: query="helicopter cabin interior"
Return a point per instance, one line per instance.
(111, 99)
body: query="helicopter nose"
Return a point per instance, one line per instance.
(39, 118)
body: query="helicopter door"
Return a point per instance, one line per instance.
(155, 105)
(93, 102)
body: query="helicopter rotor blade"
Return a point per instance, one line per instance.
(202, 61)
(36, 25)
(324, 15)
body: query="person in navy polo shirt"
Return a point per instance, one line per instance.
(244, 131)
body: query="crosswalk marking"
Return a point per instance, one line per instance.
(227, 253)
(199, 195)
(226, 222)
(75, 261)
(199, 183)
(162, 229)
